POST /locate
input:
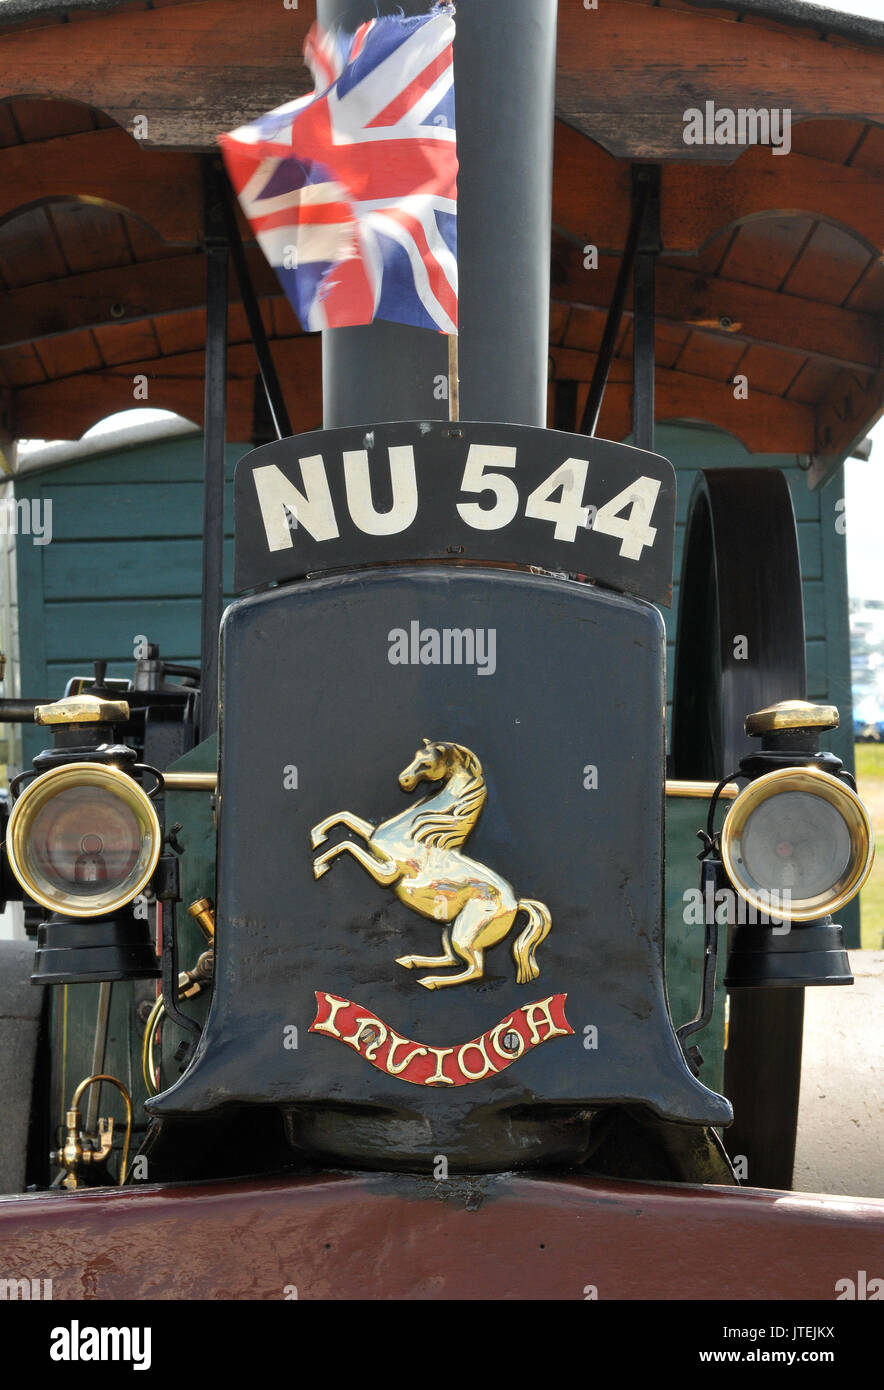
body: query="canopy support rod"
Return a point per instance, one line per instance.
(565, 405)
(266, 365)
(641, 192)
(647, 175)
(215, 427)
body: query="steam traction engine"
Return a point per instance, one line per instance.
(417, 877)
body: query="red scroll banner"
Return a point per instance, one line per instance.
(457, 1065)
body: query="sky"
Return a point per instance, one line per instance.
(864, 510)
(872, 9)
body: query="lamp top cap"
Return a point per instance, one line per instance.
(792, 714)
(82, 709)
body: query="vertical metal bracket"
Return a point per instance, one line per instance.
(642, 193)
(565, 406)
(645, 190)
(267, 367)
(215, 439)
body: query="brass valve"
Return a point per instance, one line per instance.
(192, 982)
(79, 1150)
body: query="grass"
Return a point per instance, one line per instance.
(870, 784)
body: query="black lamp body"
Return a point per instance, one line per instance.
(80, 950)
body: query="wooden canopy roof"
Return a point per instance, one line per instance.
(771, 267)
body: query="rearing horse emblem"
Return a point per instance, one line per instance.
(418, 855)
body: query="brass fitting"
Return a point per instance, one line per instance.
(791, 714)
(79, 1150)
(82, 709)
(192, 982)
(202, 914)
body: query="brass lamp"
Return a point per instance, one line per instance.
(83, 841)
(796, 845)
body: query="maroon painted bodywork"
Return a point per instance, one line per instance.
(384, 1236)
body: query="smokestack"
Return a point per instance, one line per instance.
(504, 66)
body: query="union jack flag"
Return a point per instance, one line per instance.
(352, 190)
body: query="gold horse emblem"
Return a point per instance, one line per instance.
(418, 855)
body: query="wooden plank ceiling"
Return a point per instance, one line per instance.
(792, 301)
(771, 269)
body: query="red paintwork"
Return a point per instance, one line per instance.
(402, 1237)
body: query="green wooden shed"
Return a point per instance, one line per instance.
(124, 562)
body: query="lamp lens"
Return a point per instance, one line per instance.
(798, 842)
(85, 841)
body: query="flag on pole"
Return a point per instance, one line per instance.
(352, 190)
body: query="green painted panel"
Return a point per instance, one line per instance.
(34, 676)
(837, 626)
(125, 559)
(163, 569)
(815, 610)
(142, 511)
(81, 630)
(31, 625)
(162, 460)
(805, 502)
(810, 550)
(837, 618)
(817, 671)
